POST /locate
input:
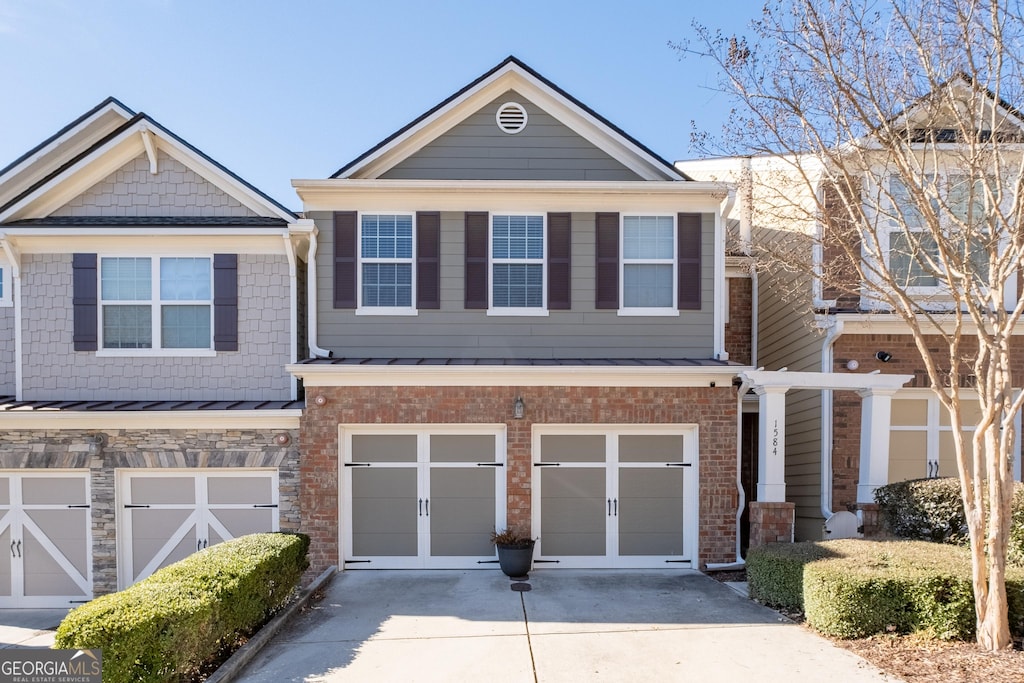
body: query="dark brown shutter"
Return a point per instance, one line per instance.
(688, 261)
(84, 301)
(428, 259)
(559, 261)
(476, 259)
(345, 260)
(607, 285)
(225, 302)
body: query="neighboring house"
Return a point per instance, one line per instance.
(857, 404)
(518, 318)
(149, 303)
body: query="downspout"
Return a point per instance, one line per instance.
(835, 330)
(311, 303)
(14, 258)
(740, 562)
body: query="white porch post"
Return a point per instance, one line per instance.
(875, 420)
(771, 460)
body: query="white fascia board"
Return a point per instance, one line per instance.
(76, 179)
(510, 376)
(484, 195)
(781, 379)
(150, 240)
(873, 323)
(511, 78)
(9, 181)
(183, 419)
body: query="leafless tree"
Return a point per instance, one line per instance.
(897, 154)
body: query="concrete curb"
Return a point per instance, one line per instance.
(243, 655)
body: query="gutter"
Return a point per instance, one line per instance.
(311, 301)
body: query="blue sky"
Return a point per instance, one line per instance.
(296, 89)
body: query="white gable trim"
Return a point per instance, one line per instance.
(115, 153)
(511, 76)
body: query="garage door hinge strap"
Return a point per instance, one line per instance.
(546, 561)
(679, 561)
(129, 505)
(679, 464)
(358, 561)
(84, 505)
(487, 562)
(265, 505)
(357, 464)
(490, 464)
(547, 464)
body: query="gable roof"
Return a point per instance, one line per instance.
(510, 73)
(968, 86)
(90, 148)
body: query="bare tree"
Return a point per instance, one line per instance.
(888, 125)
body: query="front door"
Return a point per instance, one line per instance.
(421, 498)
(45, 539)
(615, 496)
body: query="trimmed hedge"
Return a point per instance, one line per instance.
(932, 510)
(169, 624)
(855, 588)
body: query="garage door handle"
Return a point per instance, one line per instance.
(19, 548)
(12, 548)
(426, 505)
(419, 507)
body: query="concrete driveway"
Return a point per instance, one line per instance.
(572, 625)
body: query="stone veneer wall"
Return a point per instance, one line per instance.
(103, 452)
(713, 409)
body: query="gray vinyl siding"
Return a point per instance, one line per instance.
(787, 339)
(477, 149)
(7, 378)
(453, 332)
(54, 371)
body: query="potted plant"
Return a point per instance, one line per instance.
(515, 552)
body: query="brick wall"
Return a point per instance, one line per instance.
(713, 409)
(847, 405)
(175, 448)
(771, 522)
(737, 330)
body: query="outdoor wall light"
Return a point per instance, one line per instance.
(282, 439)
(320, 400)
(884, 356)
(518, 408)
(852, 364)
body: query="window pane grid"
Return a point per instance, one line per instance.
(387, 284)
(648, 261)
(386, 237)
(517, 272)
(386, 256)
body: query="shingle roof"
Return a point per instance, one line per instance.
(128, 221)
(9, 404)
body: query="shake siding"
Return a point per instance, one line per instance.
(7, 381)
(453, 332)
(54, 371)
(787, 340)
(477, 149)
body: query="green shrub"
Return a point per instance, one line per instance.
(775, 572)
(169, 624)
(855, 588)
(932, 510)
(924, 509)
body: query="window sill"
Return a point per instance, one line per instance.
(520, 312)
(649, 312)
(155, 353)
(386, 311)
(6, 303)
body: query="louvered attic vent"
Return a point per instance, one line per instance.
(511, 117)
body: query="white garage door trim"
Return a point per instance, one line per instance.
(609, 473)
(17, 525)
(200, 521)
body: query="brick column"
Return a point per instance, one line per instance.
(871, 520)
(771, 522)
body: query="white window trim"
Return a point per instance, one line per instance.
(155, 303)
(362, 309)
(6, 282)
(659, 311)
(934, 427)
(535, 311)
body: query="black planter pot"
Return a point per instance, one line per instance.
(515, 560)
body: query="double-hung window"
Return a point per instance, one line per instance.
(517, 263)
(648, 264)
(912, 247)
(156, 303)
(386, 262)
